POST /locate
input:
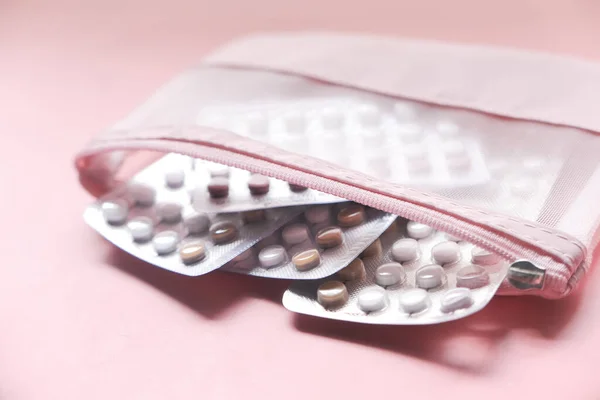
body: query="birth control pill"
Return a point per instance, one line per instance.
(115, 211)
(390, 274)
(472, 277)
(329, 237)
(445, 253)
(175, 178)
(223, 232)
(317, 214)
(368, 115)
(404, 111)
(141, 229)
(372, 299)
(258, 184)
(296, 188)
(169, 212)
(193, 252)
(414, 300)
(353, 271)
(142, 195)
(417, 230)
(332, 118)
(332, 294)
(219, 171)
(252, 216)
(351, 215)
(196, 224)
(373, 250)
(307, 260)
(257, 123)
(272, 256)
(218, 187)
(430, 276)
(481, 256)
(409, 133)
(244, 255)
(405, 250)
(295, 234)
(165, 242)
(295, 122)
(447, 128)
(456, 299)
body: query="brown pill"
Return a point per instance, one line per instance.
(307, 259)
(329, 237)
(332, 294)
(353, 271)
(258, 184)
(218, 187)
(297, 188)
(254, 216)
(351, 215)
(223, 232)
(373, 250)
(192, 252)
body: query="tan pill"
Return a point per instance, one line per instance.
(332, 294)
(306, 260)
(192, 252)
(223, 232)
(329, 237)
(373, 250)
(297, 188)
(253, 216)
(258, 184)
(218, 187)
(353, 271)
(351, 215)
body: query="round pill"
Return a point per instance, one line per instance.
(169, 212)
(446, 253)
(373, 250)
(297, 188)
(175, 178)
(353, 271)
(307, 260)
(404, 111)
(295, 122)
(481, 256)
(472, 277)
(223, 232)
(447, 128)
(332, 118)
(258, 184)
(317, 214)
(332, 294)
(191, 253)
(295, 234)
(141, 229)
(141, 194)
(390, 274)
(452, 238)
(272, 256)
(368, 115)
(454, 148)
(416, 230)
(165, 242)
(196, 224)
(257, 123)
(456, 299)
(219, 171)
(329, 237)
(430, 276)
(414, 300)
(351, 215)
(218, 187)
(372, 299)
(252, 216)
(458, 164)
(243, 256)
(115, 211)
(410, 133)
(405, 250)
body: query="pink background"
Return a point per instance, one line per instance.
(80, 320)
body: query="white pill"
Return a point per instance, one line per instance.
(417, 159)
(272, 256)
(390, 274)
(414, 300)
(430, 276)
(446, 253)
(456, 299)
(295, 234)
(257, 123)
(459, 164)
(295, 122)
(115, 211)
(404, 111)
(165, 242)
(452, 238)
(472, 277)
(410, 133)
(169, 212)
(175, 178)
(481, 256)
(372, 299)
(447, 128)
(141, 228)
(317, 214)
(332, 118)
(405, 250)
(219, 171)
(197, 224)
(368, 115)
(417, 230)
(141, 194)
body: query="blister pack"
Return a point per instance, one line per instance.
(322, 241)
(418, 277)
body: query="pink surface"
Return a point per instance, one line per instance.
(80, 320)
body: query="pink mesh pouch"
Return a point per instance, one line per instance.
(495, 146)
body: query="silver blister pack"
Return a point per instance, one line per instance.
(315, 245)
(447, 280)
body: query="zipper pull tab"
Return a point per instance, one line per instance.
(524, 275)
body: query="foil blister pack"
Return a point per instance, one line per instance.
(317, 244)
(418, 277)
